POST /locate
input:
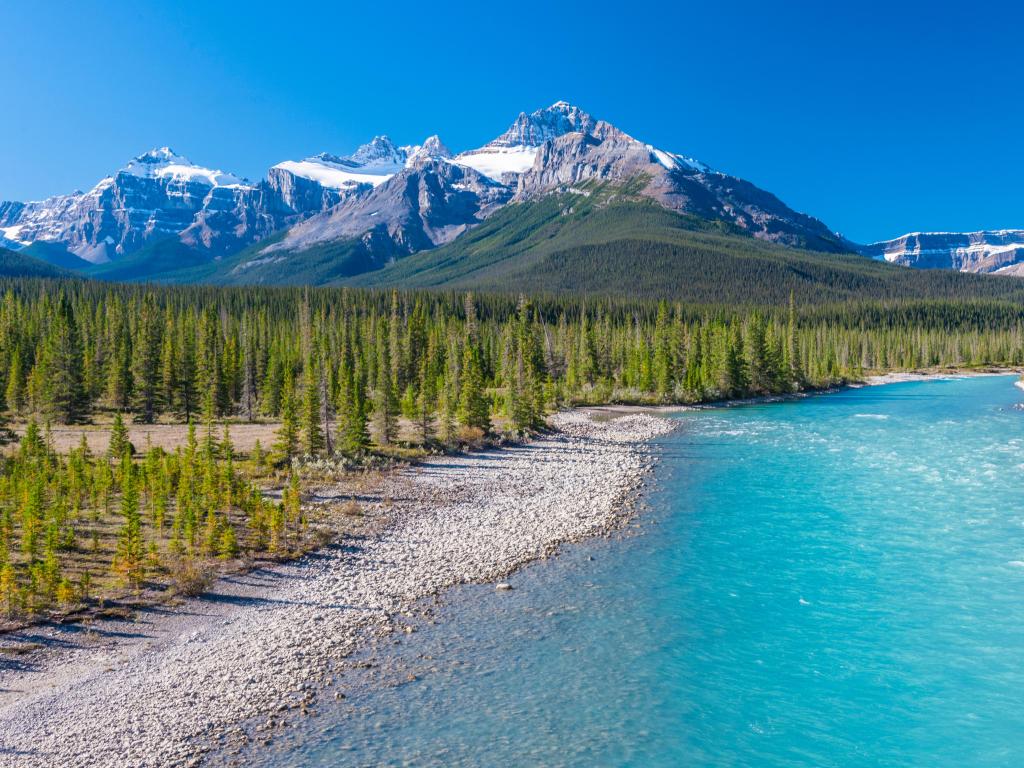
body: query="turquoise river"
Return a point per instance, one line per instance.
(834, 581)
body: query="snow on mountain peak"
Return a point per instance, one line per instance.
(380, 151)
(165, 164)
(372, 163)
(534, 129)
(432, 148)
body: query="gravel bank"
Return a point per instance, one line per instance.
(897, 378)
(171, 690)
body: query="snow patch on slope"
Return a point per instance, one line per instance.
(494, 162)
(9, 236)
(671, 160)
(334, 176)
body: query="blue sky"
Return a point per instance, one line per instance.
(879, 118)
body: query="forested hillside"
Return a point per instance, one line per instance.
(601, 241)
(14, 264)
(606, 242)
(336, 373)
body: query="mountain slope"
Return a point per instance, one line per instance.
(14, 264)
(611, 242)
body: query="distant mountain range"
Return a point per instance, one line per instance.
(330, 218)
(999, 252)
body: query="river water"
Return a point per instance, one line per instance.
(837, 580)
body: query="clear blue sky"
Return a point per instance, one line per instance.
(877, 118)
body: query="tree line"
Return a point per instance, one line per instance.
(334, 364)
(342, 372)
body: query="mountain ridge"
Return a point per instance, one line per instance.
(397, 199)
(163, 214)
(992, 251)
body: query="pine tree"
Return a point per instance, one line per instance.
(796, 374)
(146, 372)
(208, 361)
(735, 382)
(326, 411)
(662, 363)
(169, 364)
(353, 437)
(64, 390)
(474, 408)
(249, 374)
(385, 404)
(288, 432)
(186, 400)
(312, 433)
(129, 562)
(14, 394)
(118, 374)
(425, 402)
(119, 444)
(758, 370)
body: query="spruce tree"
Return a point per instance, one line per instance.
(312, 433)
(474, 407)
(249, 374)
(385, 403)
(186, 399)
(662, 363)
(796, 374)
(129, 562)
(146, 371)
(14, 393)
(288, 432)
(65, 395)
(425, 402)
(119, 444)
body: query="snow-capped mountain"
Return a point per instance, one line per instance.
(396, 199)
(369, 166)
(157, 195)
(998, 252)
(429, 202)
(557, 149)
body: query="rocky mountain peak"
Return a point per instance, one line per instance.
(379, 151)
(154, 159)
(534, 129)
(432, 148)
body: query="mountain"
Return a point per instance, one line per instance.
(607, 239)
(999, 252)
(201, 214)
(436, 197)
(553, 151)
(329, 218)
(157, 195)
(162, 213)
(14, 264)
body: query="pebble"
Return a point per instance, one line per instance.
(480, 517)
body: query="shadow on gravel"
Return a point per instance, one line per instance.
(19, 752)
(253, 602)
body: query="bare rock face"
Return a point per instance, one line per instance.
(606, 154)
(544, 125)
(429, 203)
(299, 194)
(999, 252)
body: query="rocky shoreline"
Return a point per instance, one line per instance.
(236, 665)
